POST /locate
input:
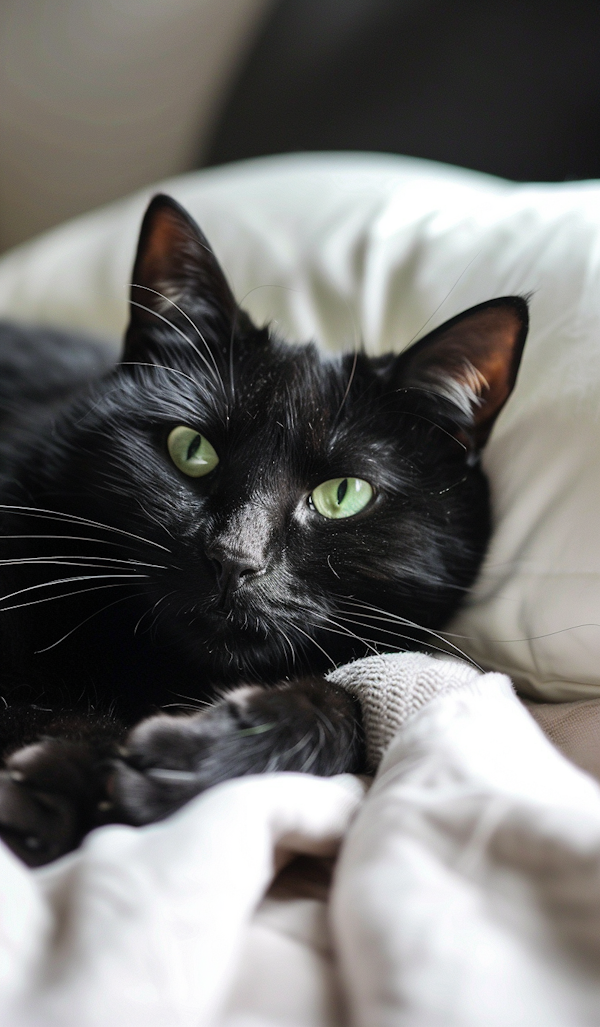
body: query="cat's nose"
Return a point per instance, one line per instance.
(232, 569)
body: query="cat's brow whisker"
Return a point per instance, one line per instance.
(183, 313)
(428, 420)
(348, 386)
(231, 374)
(161, 367)
(149, 310)
(441, 303)
(356, 329)
(57, 515)
(96, 613)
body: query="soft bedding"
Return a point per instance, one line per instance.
(467, 891)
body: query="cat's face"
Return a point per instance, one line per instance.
(300, 500)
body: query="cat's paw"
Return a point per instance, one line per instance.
(307, 726)
(51, 795)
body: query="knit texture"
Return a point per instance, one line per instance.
(393, 687)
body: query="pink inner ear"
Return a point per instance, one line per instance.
(474, 360)
(175, 268)
(163, 255)
(485, 353)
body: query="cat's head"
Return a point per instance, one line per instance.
(311, 507)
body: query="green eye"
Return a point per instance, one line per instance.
(342, 497)
(191, 452)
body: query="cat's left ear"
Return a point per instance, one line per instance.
(471, 361)
(175, 267)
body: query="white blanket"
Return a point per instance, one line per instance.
(467, 891)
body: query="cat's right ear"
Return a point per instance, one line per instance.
(176, 276)
(471, 364)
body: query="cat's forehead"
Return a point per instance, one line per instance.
(298, 389)
(284, 376)
(291, 396)
(290, 383)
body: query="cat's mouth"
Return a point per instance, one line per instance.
(241, 641)
(236, 623)
(239, 647)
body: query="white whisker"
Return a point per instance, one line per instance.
(63, 595)
(57, 515)
(189, 319)
(79, 561)
(292, 650)
(74, 538)
(175, 328)
(311, 639)
(67, 581)
(384, 616)
(339, 629)
(162, 367)
(348, 386)
(96, 613)
(155, 520)
(394, 634)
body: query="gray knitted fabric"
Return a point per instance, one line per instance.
(392, 687)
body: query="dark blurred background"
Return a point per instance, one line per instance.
(511, 88)
(100, 98)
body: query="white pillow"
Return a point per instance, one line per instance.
(349, 247)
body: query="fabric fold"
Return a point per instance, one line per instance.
(468, 888)
(147, 924)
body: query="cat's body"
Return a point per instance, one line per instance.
(315, 509)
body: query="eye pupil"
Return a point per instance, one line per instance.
(194, 446)
(341, 491)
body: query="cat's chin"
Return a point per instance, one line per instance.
(266, 656)
(233, 647)
(249, 661)
(234, 626)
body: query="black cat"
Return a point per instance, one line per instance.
(221, 507)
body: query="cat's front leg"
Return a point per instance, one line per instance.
(308, 726)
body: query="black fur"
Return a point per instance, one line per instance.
(129, 587)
